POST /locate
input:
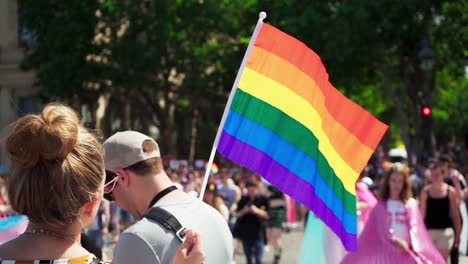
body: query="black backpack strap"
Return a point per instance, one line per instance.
(167, 220)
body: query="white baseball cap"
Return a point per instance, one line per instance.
(124, 149)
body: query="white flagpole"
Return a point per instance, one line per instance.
(261, 16)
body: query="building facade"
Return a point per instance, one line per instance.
(16, 86)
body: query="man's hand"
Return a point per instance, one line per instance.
(258, 212)
(191, 251)
(255, 210)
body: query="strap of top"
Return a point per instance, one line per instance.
(167, 220)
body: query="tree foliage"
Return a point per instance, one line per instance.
(147, 64)
(371, 49)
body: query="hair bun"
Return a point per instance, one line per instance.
(47, 137)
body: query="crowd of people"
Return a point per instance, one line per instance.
(420, 216)
(422, 207)
(80, 195)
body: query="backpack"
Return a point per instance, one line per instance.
(167, 220)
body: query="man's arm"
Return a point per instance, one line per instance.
(259, 212)
(132, 249)
(263, 210)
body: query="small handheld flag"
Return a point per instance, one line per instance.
(214, 167)
(285, 121)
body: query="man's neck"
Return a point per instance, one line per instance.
(149, 186)
(157, 184)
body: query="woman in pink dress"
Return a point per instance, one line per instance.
(395, 231)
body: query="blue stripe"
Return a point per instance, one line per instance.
(290, 157)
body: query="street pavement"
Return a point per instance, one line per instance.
(292, 244)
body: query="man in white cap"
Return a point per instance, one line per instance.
(136, 179)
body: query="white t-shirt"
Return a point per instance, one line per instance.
(149, 242)
(399, 220)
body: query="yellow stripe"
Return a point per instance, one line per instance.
(299, 109)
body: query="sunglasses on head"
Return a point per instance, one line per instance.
(111, 181)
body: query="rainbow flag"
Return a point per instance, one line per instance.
(289, 124)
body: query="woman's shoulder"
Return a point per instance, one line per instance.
(411, 201)
(452, 192)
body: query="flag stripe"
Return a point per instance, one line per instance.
(367, 128)
(296, 161)
(296, 134)
(299, 109)
(346, 144)
(289, 183)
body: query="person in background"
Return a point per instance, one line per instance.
(366, 201)
(395, 231)
(277, 216)
(212, 198)
(5, 208)
(252, 214)
(231, 194)
(114, 223)
(439, 207)
(100, 225)
(57, 181)
(12, 224)
(455, 179)
(126, 219)
(452, 176)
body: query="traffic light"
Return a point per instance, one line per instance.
(426, 111)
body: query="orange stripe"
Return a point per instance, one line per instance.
(350, 148)
(350, 115)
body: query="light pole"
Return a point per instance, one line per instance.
(426, 57)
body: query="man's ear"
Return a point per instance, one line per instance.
(124, 177)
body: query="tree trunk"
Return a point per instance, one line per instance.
(193, 137)
(126, 114)
(168, 133)
(402, 118)
(101, 110)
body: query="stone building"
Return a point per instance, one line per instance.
(16, 86)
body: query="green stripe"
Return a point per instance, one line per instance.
(297, 135)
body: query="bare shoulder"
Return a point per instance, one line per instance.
(426, 189)
(451, 190)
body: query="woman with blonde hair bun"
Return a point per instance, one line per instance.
(57, 181)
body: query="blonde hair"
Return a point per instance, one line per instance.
(57, 166)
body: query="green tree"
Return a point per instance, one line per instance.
(139, 63)
(148, 64)
(451, 108)
(375, 44)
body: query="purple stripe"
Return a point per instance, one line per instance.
(286, 181)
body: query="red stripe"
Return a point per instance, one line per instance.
(350, 115)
